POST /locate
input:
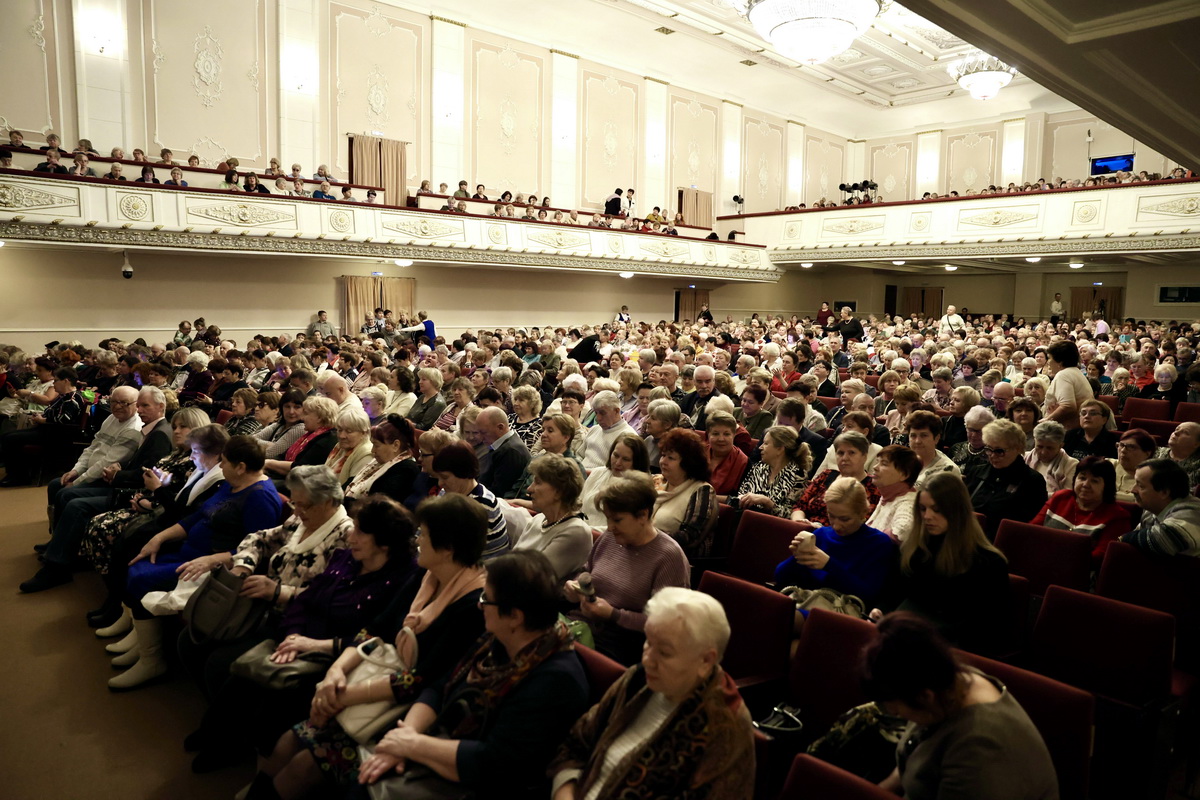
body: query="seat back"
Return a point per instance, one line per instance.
(1166, 585)
(223, 416)
(1046, 556)
(761, 622)
(1109, 400)
(602, 672)
(1142, 408)
(1160, 429)
(1063, 715)
(823, 681)
(727, 521)
(1107, 647)
(761, 543)
(1019, 596)
(812, 779)
(873, 381)
(1187, 412)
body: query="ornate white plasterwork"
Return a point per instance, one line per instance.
(497, 234)
(207, 81)
(377, 23)
(252, 75)
(764, 175)
(160, 57)
(377, 96)
(791, 230)
(244, 214)
(853, 227)
(997, 219)
(747, 257)
(616, 245)
(559, 239)
(1182, 206)
(919, 221)
(423, 228)
(136, 206)
(664, 249)
(1086, 213)
(36, 31)
(209, 151)
(25, 198)
(341, 221)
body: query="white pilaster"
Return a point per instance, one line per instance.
(303, 139)
(729, 181)
(856, 160)
(1012, 163)
(652, 160)
(929, 162)
(564, 130)
(1035, 137)
(101, 66)
(448, 104)
(794, 180)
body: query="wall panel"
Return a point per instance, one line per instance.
(692, 141)
(824, 166)
(34, 38)
(892, 163)
(609, 128)
(508, 101)
(378, 79)
(972, 158)
(764, 144)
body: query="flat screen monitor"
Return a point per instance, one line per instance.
(1110, 164)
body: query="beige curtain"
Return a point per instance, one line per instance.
(380, 162)
(697, 207)
(360, 296)
(398, 294)
(690, 301)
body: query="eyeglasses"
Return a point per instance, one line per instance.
(1128, 446)
(995, 451)
(426, 455)
(120, 404)
(483, 601)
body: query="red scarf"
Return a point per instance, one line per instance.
(298, 447)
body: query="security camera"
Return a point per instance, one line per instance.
(126, 267)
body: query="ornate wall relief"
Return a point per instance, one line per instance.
(135, 206)
(559, 240)
(508, 106)
(972, 160)
(763, 145)
(422, 227)
(29, 39)
(891, 166)
(856, 226)
(692, 138)
(1022, 217)
(60, 200)
(610, 125)
(824, 166)
(246, 215)
(1180, 206)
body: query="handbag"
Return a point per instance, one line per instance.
(256, 665)
(364, 721)
(827, 600)
(784, 724)
(164, 604)
(216, 612)
(863, 741)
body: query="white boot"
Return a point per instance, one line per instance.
(125, 645)
(123, 625)
(127, 659)
(150, 664)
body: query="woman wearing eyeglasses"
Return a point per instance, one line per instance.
(1006, 487)
(1092, 437)
(1135, 447)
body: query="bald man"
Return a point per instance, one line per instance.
(509, 454)
(951, 324)
(693, 405)
(1002, 395)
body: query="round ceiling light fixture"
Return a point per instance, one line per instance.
(1076, 265)
(1033, 259)
(806, 264)
(898, 263)
(950, 268)
(625, 274)
(982, 75)
(402, 262)
(810, 31)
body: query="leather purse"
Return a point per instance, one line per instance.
(827, 600)
(216, 612)
(256, 665)
(365, 720)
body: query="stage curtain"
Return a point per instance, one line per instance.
(360, 296)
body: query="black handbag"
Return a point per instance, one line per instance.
(216, 612)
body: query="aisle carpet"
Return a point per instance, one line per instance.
(63, 734)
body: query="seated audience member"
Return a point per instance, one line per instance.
(773, 483)
(966, 733)
(629, 563)
(854, 422)
(686, 509)
(114, 172)
(1088, 506)
(1134, 448)
(281, 427)
(949, 572)
(324, 193)
(231, 183)
(1092, 437)
(609, 425)
(846, 555)
(52, 165)
(506, 722)
(1183, 447)
(429, 405)
(246, 502)
(507, 454)
(907, 395)
(53, 428)
(924, 433)
(81, 167)
(559, 431)
(752, 415)
(701, 742)
(1026, 414)
(1165, 386)
(895, 476)
(457, 470)
(242, 405)
(526, 419)
(970, 451)
(662, 416)
(559, 530)
(1050, 459)
(433, 630)
(401, 385)
(352, 453)
(954, 431)
(850, 451)
(1006, 487)
(319, 415)
(628, 452)
(393, 468)
(727, 464)
(1170, 523)
(176, 178)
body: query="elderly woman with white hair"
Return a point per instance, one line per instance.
(1049, 459)
(971, 451)
(661, 416)
(672, 725)
(198, 380)
(353, 449)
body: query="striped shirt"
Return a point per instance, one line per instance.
(1173, 531)
(497, 539)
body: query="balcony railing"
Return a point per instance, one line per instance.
(92, 211)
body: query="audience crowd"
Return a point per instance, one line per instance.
(455, 512)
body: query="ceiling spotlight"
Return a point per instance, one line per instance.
(950, 268)
(806, 264)
(625, 274)
(1076, 265)
(1034, 259)
(898, 263)
(402, 262)
(1, 244)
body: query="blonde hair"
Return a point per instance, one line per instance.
(850, 492)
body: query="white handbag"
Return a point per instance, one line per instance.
(164, 604)
(365, 720)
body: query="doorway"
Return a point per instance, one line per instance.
(924, 301)
(688, 302)
(1106, 301)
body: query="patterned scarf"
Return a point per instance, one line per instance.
(298, 447)
(483, 679)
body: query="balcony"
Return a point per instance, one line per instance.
(1157, 216)
(98, 212)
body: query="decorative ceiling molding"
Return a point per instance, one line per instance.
(883, 253)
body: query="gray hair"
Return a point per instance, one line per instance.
(854, 439)
(1049, 431)
(666, 411)
(605, 399)
(502, 374)
(719, 403)
(318, 481)
(199, 358)
(702, 615)
(155, 394)
(980, 416)
(353, 419)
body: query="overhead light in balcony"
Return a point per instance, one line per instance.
(402, 262)
(898, 263)
(981, 75)
(1033, 259)
(625, 274)
(950, 268)
(1076, 265)
(806, 264)
(810, 31)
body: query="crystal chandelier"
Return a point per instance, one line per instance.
(982, 75)
(810, 31)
